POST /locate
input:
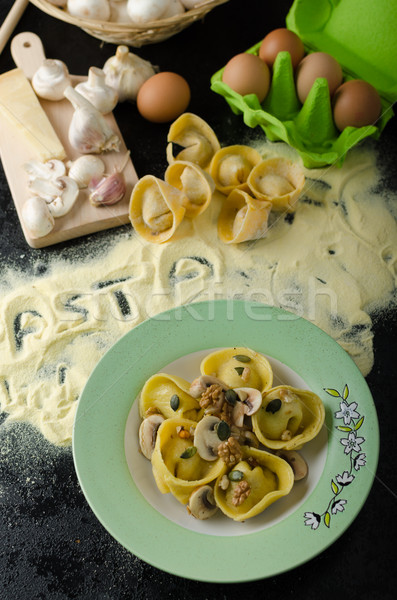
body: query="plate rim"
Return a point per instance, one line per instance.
(212, 315)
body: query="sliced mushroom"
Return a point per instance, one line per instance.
(206, 437)
(148, 433)
(296, 462)
(251, 398)
(51, 169)
(200, 384)
(60, 193)
(202, 503)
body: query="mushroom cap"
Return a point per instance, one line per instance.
(296, 462)
(202, 503)
(200, 384)
(206, 437)
(148, 433)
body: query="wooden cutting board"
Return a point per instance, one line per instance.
(28, 54)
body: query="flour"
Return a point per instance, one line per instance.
(333, 262)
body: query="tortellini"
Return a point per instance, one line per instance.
(288, 418)
(169, 395)
(253, 186)
(254, 483)
(278, 181)
(156, 209)
(197, 138)
(239, 367)
(196, 185)
(243, 218)
(231, 166)
(176, 463)
(224, 441)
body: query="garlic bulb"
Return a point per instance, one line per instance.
(87, 170)
(51, 79)
(36, 217)
(175, 8)
(110, 189)
(143, 11)
(101, 95)
(89, 132)
(96, 10)
(126, 73)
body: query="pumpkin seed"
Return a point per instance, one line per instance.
(231, 397)
(189, 452)
(274, 406)
(223, 430)
(174, 402)
(242, 358)
(236, 475)
(239, 370)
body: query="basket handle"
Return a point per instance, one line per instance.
(28, 52)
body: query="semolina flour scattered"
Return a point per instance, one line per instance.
(333, 262)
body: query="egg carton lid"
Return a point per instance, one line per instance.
(360, 34)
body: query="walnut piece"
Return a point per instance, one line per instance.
(230, 451)
(241, 492)
(226, 413)
(286, 435)
(213, 396)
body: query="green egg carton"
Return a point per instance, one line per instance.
(361, 36)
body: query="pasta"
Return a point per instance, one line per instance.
(227, 440)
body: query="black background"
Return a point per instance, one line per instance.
(51, 544)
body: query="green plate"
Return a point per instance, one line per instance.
(117, 480)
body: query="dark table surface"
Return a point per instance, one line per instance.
(51, 544)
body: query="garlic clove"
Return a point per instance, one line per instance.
(89, 132)
(51, 79)
(51, 169)
(126, 73)
(109, 190)
(36, 217)
(87, 170)
(101, 95)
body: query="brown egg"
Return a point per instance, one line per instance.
(356, 103)
(317, 64)
(163, 97)
(281, 40)
(247, 74)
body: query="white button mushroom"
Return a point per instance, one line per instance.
(51, 79)
(202, 503)
(36, 217)
(148, 433)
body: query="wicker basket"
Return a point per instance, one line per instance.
(127, 33)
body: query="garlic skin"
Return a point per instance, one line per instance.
(51, 79)
(175, 8)
(101, 95)
(95, 10)
(143, 11)
(89, 132)
(87, 170)
(126, 73)
(36, 217)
